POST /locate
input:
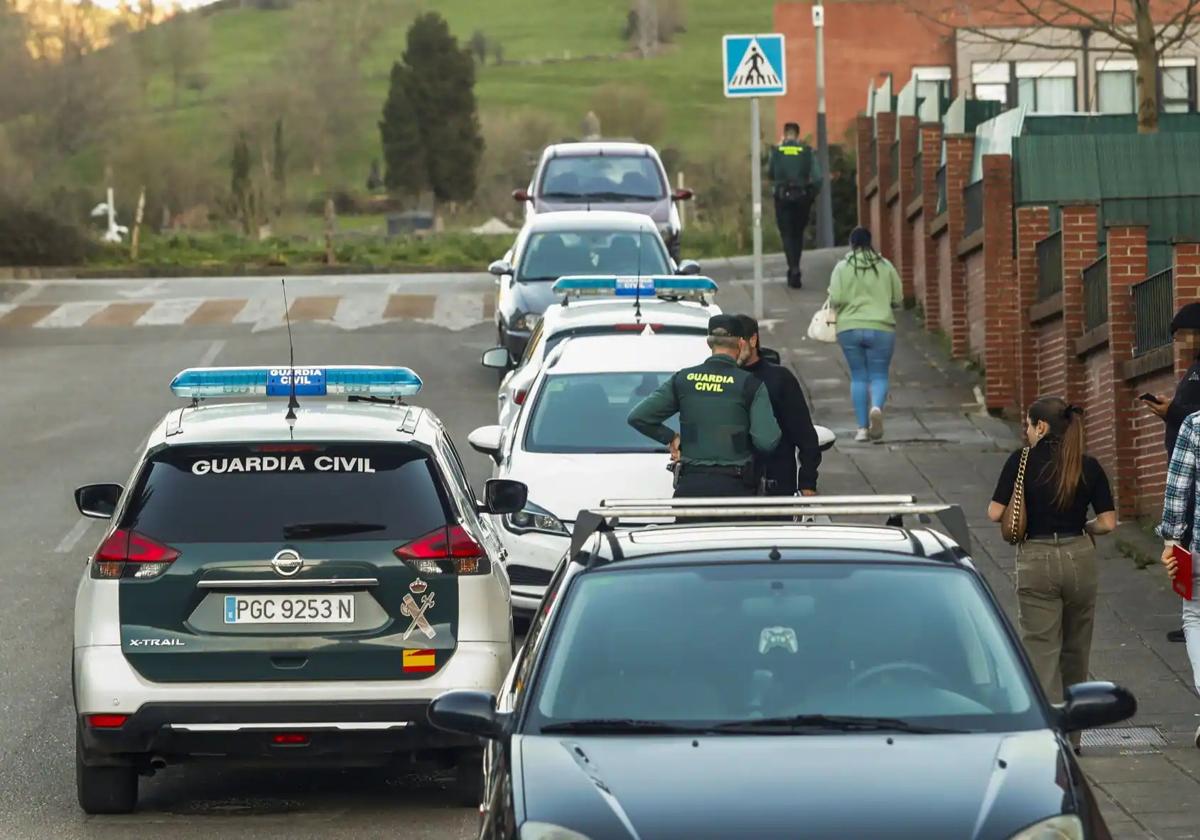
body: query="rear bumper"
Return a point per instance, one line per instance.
(341, 733)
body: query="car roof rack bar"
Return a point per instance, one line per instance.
(950, 516)
(763, 501)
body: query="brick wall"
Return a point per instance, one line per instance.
(945, 265)
(931, 142)
(1002, 311)
(885, 132)
(1098, 407)
(908, 130)
(1033, 223)
(1050, 341)
(863, 128)
(898, 239)
(875, 216)
(1146, 442)
(1080, 235)
(960, 149)
(1132, 434)
(919, 237)
(1187, 289)
(976, 280)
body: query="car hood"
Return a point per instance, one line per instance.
(658, 209)
(967, 787)
(533, 297)
(618, 476)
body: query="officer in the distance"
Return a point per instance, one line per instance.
(724, 413)
(795, 181)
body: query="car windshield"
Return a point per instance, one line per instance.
(554, 254)
(736, 643)
(271, 492)
(587, 413)
(603, 178)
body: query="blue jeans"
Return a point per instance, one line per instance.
(869, 355)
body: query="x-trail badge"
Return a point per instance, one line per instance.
(287, 563)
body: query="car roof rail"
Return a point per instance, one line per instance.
(616, 512)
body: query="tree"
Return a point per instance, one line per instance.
(1129, 23)
(479, 46)
(442, 89)
(403, 151)
(280, 168)
(184, 46)
(240, 185)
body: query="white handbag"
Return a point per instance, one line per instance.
(823, 326)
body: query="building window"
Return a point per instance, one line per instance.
(933, 83)
(990, 80)
(1178, 81)
(1046, 87)
(1115, 92)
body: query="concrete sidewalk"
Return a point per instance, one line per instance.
(941, 444)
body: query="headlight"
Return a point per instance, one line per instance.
(547, 831)
(525, 321)
(1066, 827)
(533, 518)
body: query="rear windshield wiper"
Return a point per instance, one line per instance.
(621, 726)
(311, 530)
(833, 723)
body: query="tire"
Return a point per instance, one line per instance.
(104, 790)
(468, 779)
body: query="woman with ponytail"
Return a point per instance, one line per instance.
(1056, 561)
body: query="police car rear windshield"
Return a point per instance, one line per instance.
(602, 178)
(588, 413)
(554, 254)
(270, 492)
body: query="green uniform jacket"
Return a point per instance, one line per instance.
(793, 162)
(724, 414)
(864, 289)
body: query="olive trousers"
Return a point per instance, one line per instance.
(1056, 606)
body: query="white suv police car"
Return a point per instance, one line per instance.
(286, 588)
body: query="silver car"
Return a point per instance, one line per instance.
(606, 176)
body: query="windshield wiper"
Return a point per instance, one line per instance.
(562, 195)
(833, 723)
(311, 530)
(539, 279)
(619, 196)
(621, 725)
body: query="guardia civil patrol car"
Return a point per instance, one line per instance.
(286, 587)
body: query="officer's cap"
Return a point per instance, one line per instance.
(727, 326)
(1187, 318)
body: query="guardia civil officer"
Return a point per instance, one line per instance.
(777, 469)
(724, 417)
(795, 181)
(1185, 328)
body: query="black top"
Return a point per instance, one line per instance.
(795, 421)
(1185, 402)
(1043, 516)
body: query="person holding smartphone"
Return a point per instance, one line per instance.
(1185, 328)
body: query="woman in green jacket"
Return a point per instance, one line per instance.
(863, 290)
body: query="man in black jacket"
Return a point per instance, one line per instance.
(1185, 328)
(778, 470)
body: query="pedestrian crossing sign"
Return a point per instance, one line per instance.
(754, 65)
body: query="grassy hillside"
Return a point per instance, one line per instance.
(556, 54)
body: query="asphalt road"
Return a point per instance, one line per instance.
(77, 396)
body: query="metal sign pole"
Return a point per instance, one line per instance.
(756, 198)
(825, 199)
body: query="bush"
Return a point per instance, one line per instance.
(629, 111)
(514, 141)
(29, 236)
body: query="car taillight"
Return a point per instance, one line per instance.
(107, 721)
(129, 554)
(519, 396)
(446, 551)
(289, 739)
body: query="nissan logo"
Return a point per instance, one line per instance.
(287, 563)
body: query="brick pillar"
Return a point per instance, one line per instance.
(864, 128)
(907, 179)
(1080, 237)
(1000, 292)
(1127, 264)
(1033, 225)
(931, 145)
(960, 149)
(1187, 290)
(885, 128)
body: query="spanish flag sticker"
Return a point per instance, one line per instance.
(417, 661)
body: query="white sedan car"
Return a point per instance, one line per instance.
(575, 447)
(672, 306)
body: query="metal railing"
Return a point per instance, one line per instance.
(972, 208)
(918, 174)
(872, 159)
(894, 155)
(941, 191)
(1049, 265)
(1095, 294)
(1152, 299)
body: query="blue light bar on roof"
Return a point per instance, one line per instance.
(357, 380)
(611, 285)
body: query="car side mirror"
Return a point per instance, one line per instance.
(98, 501)
(486, 439)
(500, 267)
(1093, 704)
(468, 713)
(688, 267)
(498, 358)
(520, 195)
(825, 438)
(682, 194)
(503, 495)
